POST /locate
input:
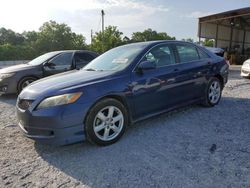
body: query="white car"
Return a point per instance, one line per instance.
(245, 69)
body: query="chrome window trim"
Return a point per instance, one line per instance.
(166, 43)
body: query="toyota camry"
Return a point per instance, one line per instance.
(122, 86)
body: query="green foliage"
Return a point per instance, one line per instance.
(208, 42)
(28, 45)
(16, 52)
(110, 38)
(150, 35)
(10, 37)
(188, 40)
(53, 36)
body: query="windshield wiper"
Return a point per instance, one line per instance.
(90, 69)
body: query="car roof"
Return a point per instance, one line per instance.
(151, 43)
(74, 51)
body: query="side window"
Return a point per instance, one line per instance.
(162, 55)
(63, 60)
(203, 55)
(187, 53)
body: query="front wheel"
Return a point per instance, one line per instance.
(24, 83)
(213, 92)
(106, 122)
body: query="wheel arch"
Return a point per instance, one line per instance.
(117, 97)
(220, 78)
(26, 76)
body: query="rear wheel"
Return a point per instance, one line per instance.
(24, 83)
(106, 122)
(213, 92)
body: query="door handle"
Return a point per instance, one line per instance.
(176, 70)
(209, 63)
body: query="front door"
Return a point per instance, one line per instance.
(156, 89)
(58, 64)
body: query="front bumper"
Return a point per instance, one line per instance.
(245, 71)
(8, 86)
(59, 125)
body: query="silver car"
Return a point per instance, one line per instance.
(13, 79)
(245, 69)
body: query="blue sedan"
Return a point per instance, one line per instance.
(124, 85)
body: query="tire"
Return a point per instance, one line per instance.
(102, 127)
(24, 82)
(213, 92)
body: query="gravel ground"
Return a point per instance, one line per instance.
(191, 147)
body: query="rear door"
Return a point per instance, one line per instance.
(194, 65)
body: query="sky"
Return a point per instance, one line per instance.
(177, 18)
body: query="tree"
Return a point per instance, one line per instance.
(188, 40)
(208, 42)
(7, 36)
(30, 36)
(54, 36)
(28, 45)
(150, 35)
(110, 38)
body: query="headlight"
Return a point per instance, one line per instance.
(246, 63)
(59, 100)
(6, 75)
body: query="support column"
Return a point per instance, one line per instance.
(243, 44)
(231, 38)
(199, 33)
(216, 35)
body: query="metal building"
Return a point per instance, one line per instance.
(230, 30)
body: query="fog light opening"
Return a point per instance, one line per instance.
(4, 88)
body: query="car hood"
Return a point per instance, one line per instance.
(62, 82)
(15, 68)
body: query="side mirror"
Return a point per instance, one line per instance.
(50, 65)
(147, 65)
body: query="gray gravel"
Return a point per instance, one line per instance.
(191, 147)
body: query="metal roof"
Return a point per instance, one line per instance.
(243, 12)
(239, 18)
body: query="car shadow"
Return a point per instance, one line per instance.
(152, 150)
(8, 99)
(234, 74)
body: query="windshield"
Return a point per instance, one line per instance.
(115, 59)
(41, 59)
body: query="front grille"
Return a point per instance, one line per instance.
(245, 72)
(24, 104)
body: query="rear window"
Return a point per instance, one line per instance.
(83, 58)
(187, 53)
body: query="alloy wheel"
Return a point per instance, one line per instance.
(214, 92)
(108, 123)
(26, 83)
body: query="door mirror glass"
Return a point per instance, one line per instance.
(50, 65)
(60, 63)
(147, 65)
